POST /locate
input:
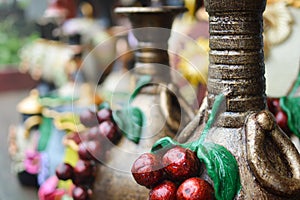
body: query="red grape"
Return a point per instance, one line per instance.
(64, 171)
(147, 170)
(165, 190)
(195, 189)
(180, 163)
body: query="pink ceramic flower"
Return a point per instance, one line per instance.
(32, 162)
(49, 190)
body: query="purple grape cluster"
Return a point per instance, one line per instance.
(92, 147)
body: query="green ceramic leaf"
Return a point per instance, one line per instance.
(163, 143)
(216, 108)
(45, 129)
(144, 80)
(222, 168)
(130, 120)
(291, 105)
(53, 99)
(103, 105)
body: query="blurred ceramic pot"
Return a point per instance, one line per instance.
(151, 27)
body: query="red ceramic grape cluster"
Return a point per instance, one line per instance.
(92, 147)
(280, 116)
(172, 175)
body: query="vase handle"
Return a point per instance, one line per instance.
(261, 127)
(174, 108)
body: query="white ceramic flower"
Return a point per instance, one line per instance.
(277, 23)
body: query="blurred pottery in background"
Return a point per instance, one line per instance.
(151, 79)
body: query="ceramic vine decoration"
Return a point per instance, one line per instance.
(220, 164)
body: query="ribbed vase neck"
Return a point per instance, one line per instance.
(236, 58)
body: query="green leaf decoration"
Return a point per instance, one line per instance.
(291, 106)
(144, 80)
(162, 143)
(212, 118)
(214, 111)
(53, 99)
(45, 129)
(130, 120)
(222, 168)
(103, 105)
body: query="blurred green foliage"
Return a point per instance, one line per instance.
(11, 41)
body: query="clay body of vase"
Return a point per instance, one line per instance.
(269, 164)
(151, 27)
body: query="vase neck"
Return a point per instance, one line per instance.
(153, 61)
(151, 54)
(151, 27)
(236, 58)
